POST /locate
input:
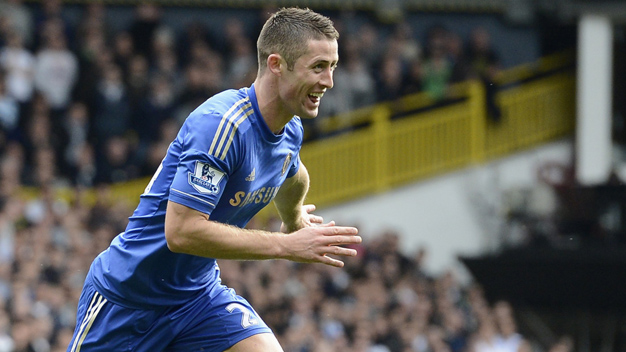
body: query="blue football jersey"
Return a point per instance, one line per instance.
(225, 162)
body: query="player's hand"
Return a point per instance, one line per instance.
(306, 219)
(314, 244)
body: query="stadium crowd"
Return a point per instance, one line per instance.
(84, 106)
(381, 301)
(99, 105)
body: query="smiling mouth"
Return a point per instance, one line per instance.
(315, 97)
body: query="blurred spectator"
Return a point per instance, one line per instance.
(92, 29)
(77, 130)
(233, 30)
(52, 11)
(44, 167)
(19, 65)
(166, 66)
(123, 51)
(9, 110)
(39, 131)
(456, 53)
(18, 19)
(242, 65)
(137, 81)
(112, 106)
(436, 340)
(510, 338)
(361, 89)
(412, 82)
(168, 130)
(56, 68)
(192, 33)
(156, 107)
(92, 56)
(355, 86)
(147, 20)
(79, 156)
(115, 162)
(369, 39)
(455, 328)
(11, 169)
(484, 65)
(6, 342)
(84, 166)
(10, 209)
(197, 90)
(389, 80)
(564, 344)
(437, 67)
(485, 339)
(402, 43)
(482, 57)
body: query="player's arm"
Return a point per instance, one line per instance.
(290, 202)
(192, 232)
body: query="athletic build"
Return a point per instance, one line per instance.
(157, 287)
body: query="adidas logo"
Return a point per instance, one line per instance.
(252, 175)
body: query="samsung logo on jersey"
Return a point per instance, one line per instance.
(262, 195)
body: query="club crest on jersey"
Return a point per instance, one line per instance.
(286, 163)
(205, 178)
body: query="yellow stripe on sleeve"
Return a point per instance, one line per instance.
(232, 133)
(230, 123)
(224, 119)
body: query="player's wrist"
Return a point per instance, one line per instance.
(292, 226)
(281, 248)
(292, 222)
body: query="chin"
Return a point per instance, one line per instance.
(308, 114)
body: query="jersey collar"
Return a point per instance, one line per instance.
(265, 130)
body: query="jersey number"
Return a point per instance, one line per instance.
(246, 319)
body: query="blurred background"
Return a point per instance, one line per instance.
(477, 144)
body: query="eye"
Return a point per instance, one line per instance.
(318, 67)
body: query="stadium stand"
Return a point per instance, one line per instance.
(89, 101)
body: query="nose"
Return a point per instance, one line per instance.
(327, 78)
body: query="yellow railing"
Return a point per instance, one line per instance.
(535, 112)
(390, 152)
(425, 141)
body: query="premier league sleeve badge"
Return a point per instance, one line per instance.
(205, 178)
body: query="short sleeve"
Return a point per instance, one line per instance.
(202, 173)
(295, 165)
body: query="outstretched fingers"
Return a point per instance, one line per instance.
(331, 261)
(321, 243)
(313, 219)
(336, 251)
(340, 234)
(337, 236)
(334, 238)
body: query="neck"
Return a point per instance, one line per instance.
(268, 99)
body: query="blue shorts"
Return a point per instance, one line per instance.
(203, 324)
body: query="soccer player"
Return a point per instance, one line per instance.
(157, 287)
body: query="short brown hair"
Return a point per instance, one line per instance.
(288, 30)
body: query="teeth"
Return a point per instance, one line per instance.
(318, 95)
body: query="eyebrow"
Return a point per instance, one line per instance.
(332, 63)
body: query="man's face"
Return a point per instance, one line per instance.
(301, 89)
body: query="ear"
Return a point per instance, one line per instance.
(275, 64)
